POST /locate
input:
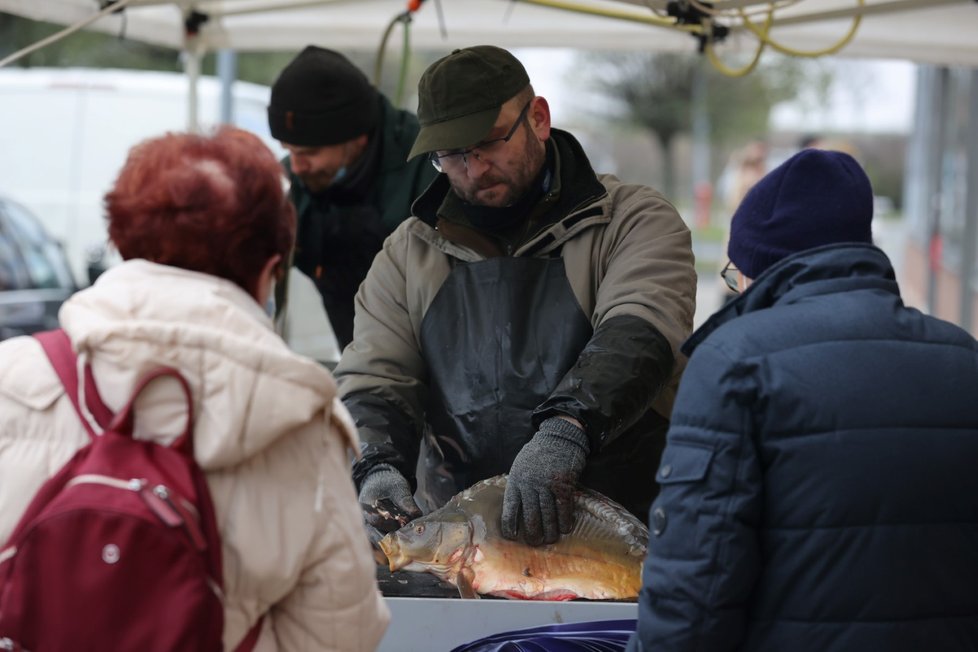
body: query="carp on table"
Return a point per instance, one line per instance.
(462, 543)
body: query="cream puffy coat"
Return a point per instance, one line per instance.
(272, 438)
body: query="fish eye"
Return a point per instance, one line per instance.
(419, 529)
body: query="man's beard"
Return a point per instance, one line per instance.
(317, 181)
(515, 185)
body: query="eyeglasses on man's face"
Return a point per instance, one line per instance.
(458, 158)
(731, 276)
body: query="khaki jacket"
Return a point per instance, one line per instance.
(627, 252)
(269, 433)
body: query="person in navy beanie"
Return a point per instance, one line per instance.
(816, 197)
(818, 490)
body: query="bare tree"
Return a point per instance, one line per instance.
(655, 92)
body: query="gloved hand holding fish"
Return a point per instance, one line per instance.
(386, 498)
(600, 558)
(539, 503)
(386, 502)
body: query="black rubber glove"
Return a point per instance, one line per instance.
(386, 499)
(539, 498)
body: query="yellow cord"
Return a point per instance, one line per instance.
(736, 13)
(763, 35)
(761, 31)
(404, 18)
(737, 72)
(405, 61)
(379, 61)
(620, 15)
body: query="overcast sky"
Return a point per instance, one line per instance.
(868, 95)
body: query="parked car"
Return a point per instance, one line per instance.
(35, 278)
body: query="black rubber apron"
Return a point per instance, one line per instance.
(498, 338)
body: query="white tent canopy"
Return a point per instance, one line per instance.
(941, 32)
(928, 31)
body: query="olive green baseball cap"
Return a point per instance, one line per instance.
(460, 96)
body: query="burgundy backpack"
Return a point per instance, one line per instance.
(120, 549)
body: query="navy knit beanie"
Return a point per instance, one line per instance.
(321, 98)
(816, 197)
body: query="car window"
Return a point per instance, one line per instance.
(13, 271)
(29, 257)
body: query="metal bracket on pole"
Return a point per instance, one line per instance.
(193, 53)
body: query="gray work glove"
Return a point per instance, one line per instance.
(539, 498)
(386, 499)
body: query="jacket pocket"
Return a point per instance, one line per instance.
(683, 465)
(684, 462)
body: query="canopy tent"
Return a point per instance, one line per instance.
(928, 31)
(940, 32)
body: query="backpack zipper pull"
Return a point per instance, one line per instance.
(156, 500)
(187, 519)
(8, 644)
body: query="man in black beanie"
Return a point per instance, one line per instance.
(818, 483)
(351, 183)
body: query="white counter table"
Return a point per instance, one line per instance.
(440, 624)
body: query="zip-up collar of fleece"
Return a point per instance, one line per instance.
(249, 389)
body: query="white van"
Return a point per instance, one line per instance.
(65, 133)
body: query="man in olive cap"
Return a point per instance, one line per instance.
(526, 321)
(351, 185)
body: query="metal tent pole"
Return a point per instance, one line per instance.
(227, 72)
(936, 120)
(970, 244)
(193, 54)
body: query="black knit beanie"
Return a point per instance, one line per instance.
(321, 98)
(815, 198)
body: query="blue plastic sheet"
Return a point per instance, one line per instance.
(594, 636)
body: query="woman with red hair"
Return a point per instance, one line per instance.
(203, 225)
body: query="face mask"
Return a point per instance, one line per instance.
(270, 303)
(342, 172)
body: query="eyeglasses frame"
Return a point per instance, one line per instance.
(731, 276)
(435, 158)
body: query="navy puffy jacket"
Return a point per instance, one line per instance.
(819, 488)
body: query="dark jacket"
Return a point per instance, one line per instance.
(628, 265)
(341, 229)
(818, 488)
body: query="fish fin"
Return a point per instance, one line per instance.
(464, 584)
(379, 557)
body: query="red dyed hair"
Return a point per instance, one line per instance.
(213, 204)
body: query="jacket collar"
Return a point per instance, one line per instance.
(829, 269)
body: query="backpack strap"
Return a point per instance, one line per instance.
(57, 347)
(250, 640)
(123, 420)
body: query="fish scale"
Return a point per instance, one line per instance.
(573, 574)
